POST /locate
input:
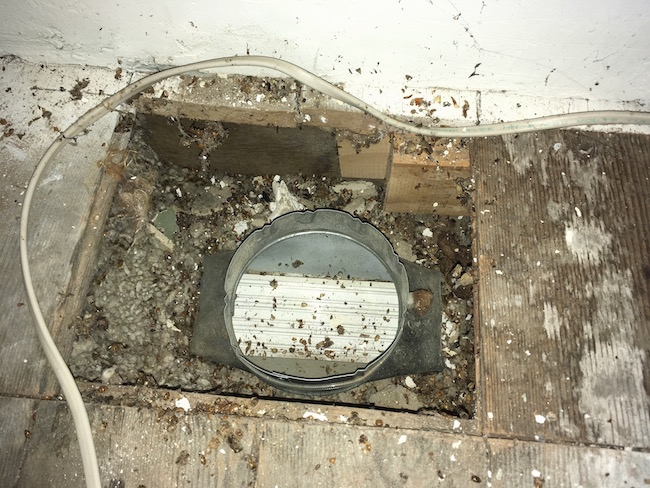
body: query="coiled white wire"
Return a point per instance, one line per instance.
(63, 374)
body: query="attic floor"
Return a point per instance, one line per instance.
(562, 323)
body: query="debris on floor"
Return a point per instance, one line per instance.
(137, 322)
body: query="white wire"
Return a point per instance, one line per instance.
(68, 385)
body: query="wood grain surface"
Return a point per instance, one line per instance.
(563, 220)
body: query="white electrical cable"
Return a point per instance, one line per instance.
(68, 385)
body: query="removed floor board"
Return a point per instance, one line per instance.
(563, 220)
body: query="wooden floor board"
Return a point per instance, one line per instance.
(142, 447)
(564, 313)
(318, 454)
(535, 464)
(15, 433)
(34, 112)
(168, 447)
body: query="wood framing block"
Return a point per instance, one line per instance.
(266, 101)
(244, 148)
(423, 174)
(369, 163)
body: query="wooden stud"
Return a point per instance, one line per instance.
(423, 176)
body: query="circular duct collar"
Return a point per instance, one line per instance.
(317, 302)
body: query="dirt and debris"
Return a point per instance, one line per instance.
(137, 323)
(76, 92)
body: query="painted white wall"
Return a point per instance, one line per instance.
(555, 49)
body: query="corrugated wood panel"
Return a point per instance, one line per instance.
(423, 176)
(563, 220)
(14, 434)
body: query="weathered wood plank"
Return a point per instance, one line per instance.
(142, 447)
(35, 110)
(536, 464)
(85, 255)
(246, 148)
(317, 454)
(235, 442)
(423, 179)
(265, 101)
(564, 314)
(14, 434)
(275, 409)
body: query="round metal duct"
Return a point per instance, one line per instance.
(315, 302)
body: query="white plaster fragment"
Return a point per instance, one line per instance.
(408, 381)
(540, 419)
(284, 202)
(170, 325)
(240, 227)
(536, 473)
(402, 439)
(183, 403)
(314, 416)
